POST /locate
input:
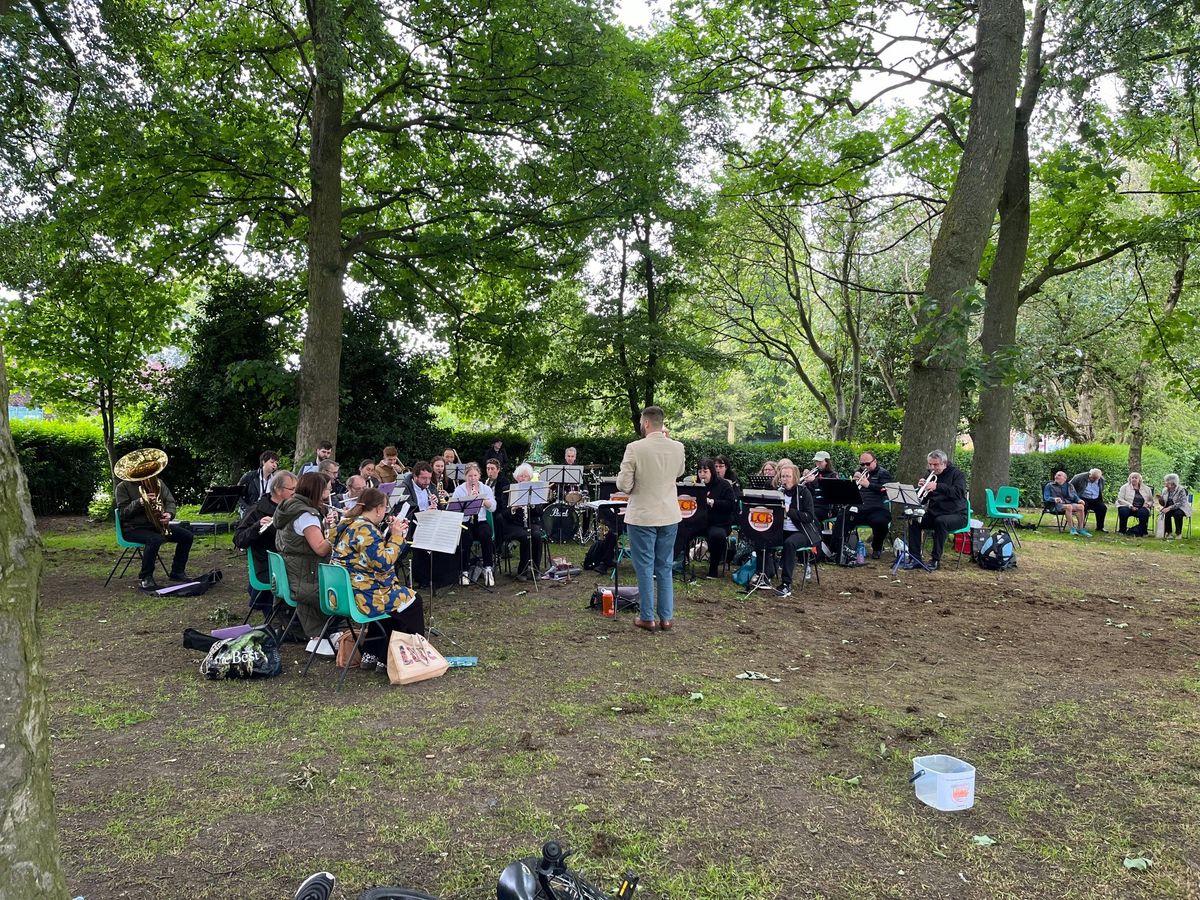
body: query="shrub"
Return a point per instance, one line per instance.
(64, 463)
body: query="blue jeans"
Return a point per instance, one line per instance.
(653, 548)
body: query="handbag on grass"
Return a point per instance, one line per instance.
(412, 658)
(347, 656)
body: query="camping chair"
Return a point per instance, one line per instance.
(336, 597)
(130, 550)
(1049, 506)
(257, 585)
(1002, 509)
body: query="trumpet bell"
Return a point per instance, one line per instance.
(139, 465)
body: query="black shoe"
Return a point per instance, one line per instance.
(181, 576)
(148, 584)
(933, 565)
(712, 575)
(875, 554)
(1102, 531)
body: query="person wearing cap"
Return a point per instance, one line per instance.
(822, 468)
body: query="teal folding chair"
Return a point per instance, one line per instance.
(130, 551)
(254, 583)
(966, 529)
(336, 597)
(1002, 509)
(282, 589)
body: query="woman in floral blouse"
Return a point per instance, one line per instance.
(369, 552)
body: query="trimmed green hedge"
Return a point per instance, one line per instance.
(65, 462)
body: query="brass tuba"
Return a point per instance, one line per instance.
(144, 466)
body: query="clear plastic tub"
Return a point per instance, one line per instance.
(944, 782)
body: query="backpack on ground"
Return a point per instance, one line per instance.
(997, 552)
(254, 654)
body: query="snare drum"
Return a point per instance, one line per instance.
(574, 497)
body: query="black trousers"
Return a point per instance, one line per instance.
(879, 520)
(791, 548)
(1173, 515)
(527, 542)
(1125, 513)
(478, 531)
(718, 547)
(410, 621)
(940, 526)
(179, 536)
(1099, 507)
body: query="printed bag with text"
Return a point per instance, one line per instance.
(412, 658)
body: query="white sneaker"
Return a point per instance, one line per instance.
(311, 645)
(325, 648)
(464, 579)
(489, 580)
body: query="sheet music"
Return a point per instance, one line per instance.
(528, 493)
(898, 492)
(439, 530)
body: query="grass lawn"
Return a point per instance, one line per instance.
(1072, 684)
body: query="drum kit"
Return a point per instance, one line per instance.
(569, 518)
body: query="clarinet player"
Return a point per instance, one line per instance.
(945, 494)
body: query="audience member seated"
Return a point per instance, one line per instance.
(369, 550)
(1061, 493)
(254, 484)
(1173, 506)
(722, 510)
(137, 526)
(477, 527)
(1090, 488)
(301, 521)
(324, 452)
(255, 533)
(1133, 502)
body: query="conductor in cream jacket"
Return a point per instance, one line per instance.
(649, 471)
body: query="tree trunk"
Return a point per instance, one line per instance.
(934, 393)
(108, 419)
(990, 464)
(650, 385)
(320, 359)
(29, 849)
(1137, 422)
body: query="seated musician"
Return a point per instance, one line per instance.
(724, 470)
(523, 524)
(477, 527)
(301, 524)
(354, 489)
(417, 487)
(770, 469)
(823, 468)
(450, 459)
(387, 478)
(331, 469)
(369, 550)
(137, 526)
(873, 511)
(255, 533)
(391, 458)
(801, 527)
(254, 484)
(443, 485)
(324, 452)
(722, 508)
(945, 507)
(366, 469)
(569, 456)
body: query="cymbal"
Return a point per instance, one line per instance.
(593, 466)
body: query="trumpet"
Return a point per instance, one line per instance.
(862, 477)
(924, 489)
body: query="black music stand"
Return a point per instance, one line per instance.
(438, 531)
(912, 506)
(841, 494)
(221, 499)
(756, 506)
(526, 495)
(760, 482)
(471, 509)
(456, 472)
(561, 476)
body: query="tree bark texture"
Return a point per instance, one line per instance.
(935, 395)
(29, 850)
(320, 358)
(1002, 301)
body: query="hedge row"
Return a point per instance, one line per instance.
(65, 462)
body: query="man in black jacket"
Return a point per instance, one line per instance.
(255, 533)
(945, 507)
(873, 510)
(254, 483)
(137, 527)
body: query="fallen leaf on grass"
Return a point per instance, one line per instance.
(1140, 863)
(695, 695)
(982, 840)
(855, 781)
(581, 807)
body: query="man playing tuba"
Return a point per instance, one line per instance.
(145, 505)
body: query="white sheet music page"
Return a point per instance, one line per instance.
(439, 530)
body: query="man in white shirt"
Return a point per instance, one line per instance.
(649, 471)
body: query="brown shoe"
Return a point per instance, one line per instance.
(666, 624)
(642, 623)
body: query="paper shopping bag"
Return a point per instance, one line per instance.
(412, 658)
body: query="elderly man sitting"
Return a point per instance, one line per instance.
(1090, 488)
(1062, 494)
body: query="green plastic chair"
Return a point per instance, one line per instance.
(336, 597)
(966, 529)
(255, 583)
(281, 588)
(1001, 509)
(130, 551)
